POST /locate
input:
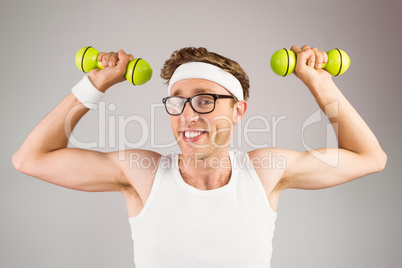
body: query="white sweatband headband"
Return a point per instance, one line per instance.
(209, 72)
(87, 94)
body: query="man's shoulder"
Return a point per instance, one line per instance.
(269, 152)
(139, 161)
(140, 154)
(270, 163)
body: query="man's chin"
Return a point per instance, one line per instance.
(194, 153)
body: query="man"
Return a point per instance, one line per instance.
(208, 206)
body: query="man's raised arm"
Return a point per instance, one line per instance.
(358, 152)
(44, 153)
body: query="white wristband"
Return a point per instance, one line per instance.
(87, 94)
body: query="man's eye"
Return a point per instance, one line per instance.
(205, 102)
(178, 104)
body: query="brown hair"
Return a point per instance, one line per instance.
(201, 54)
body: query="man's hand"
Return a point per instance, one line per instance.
(308, 66)
(115, 65)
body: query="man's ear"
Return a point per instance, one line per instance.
(239, 111)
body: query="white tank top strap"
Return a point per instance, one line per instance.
(258, 183)
(164, 162)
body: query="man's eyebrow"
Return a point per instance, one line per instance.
(177, 92)
(204, 90)
(197, 91)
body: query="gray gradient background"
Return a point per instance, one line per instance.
(353, 225)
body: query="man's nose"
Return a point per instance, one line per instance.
(189, 114)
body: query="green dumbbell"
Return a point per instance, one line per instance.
(283, 62)
(138, 70)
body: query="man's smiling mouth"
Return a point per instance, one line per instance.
(193, 135)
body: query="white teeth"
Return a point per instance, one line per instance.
(190, 135)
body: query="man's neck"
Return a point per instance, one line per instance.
(206, 173)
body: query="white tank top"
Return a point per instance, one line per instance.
(182, 226)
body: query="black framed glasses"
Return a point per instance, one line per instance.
(201, 103)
